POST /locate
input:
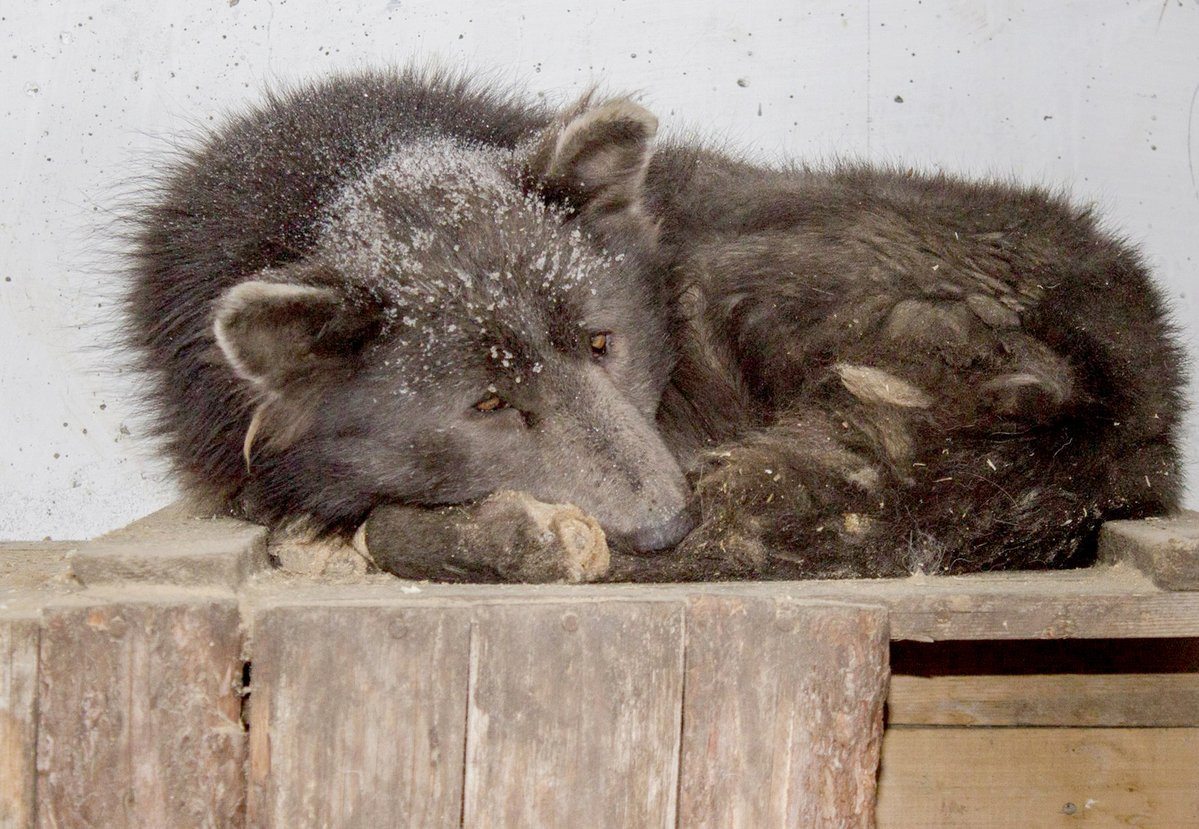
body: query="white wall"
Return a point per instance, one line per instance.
(1098, 95)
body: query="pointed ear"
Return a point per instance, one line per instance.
(275, 334)
(594, 158)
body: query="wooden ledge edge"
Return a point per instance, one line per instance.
(1164, 549)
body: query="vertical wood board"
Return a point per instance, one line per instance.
(357, 716)
(574, 715)
(782, 717)
(18, 720)
(139, 716)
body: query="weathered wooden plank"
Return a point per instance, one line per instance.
(782, 716)
(1044, 777)
(138, 720)
(941, 615)
(574, 715)
(357, 716)
(31, 564)
(174, 546)
(1105, 602)
(1094, 700)
(18, 720)
(1165, 549)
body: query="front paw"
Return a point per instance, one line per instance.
(540, 542)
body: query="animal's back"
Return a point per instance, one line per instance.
(954, 375)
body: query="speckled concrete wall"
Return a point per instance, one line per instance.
(1096, 95)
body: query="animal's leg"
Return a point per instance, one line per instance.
(811, 495)
(509, 536)
(901, 441)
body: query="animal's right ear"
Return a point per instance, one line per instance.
(277, 335)
(594, 158)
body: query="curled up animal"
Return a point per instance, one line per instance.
(504, 337)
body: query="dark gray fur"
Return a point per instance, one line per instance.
(860, 371)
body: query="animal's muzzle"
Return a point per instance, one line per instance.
(660, 536)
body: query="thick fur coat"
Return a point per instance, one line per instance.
(400, 288)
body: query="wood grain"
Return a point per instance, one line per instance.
(1098, 603)
(574, 715)
(1043, 777)
(357, 716)
(1103, 602)
(138, 721)
(174, 546)
(1094, 700)
(1165, 549)
(783, 713)
(18, 720)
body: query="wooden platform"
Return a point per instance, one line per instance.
(166, 676)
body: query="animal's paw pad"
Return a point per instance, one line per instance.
(555, 542)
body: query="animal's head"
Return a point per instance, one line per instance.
(471, 320)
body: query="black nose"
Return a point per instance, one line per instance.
(659, 536)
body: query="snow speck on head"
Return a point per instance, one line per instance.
(441, 234)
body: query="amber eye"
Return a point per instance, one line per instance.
(599, 343)
(491, 403)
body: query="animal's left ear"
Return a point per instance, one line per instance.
(594, 158)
